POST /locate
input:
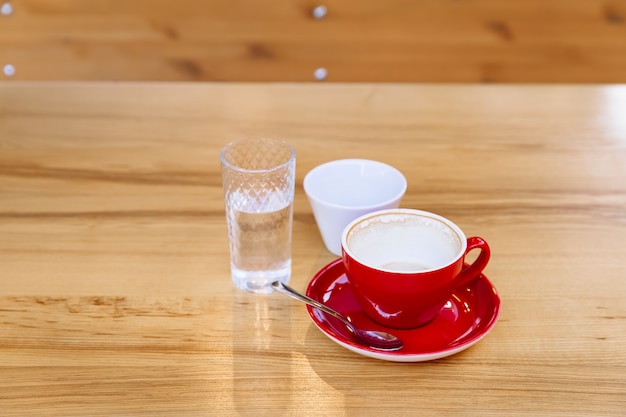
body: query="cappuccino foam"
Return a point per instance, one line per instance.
(403, 242)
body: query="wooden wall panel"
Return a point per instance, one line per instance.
(581, 41)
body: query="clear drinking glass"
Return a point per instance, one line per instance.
(258, 176)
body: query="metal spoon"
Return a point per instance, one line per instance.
(371, 338)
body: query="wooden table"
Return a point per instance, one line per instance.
(115, 290)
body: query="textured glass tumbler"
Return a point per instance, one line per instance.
(258, 176)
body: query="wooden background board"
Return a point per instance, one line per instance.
(530, 41)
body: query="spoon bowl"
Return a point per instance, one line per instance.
(372, 338)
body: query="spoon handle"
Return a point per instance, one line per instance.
(290, 292)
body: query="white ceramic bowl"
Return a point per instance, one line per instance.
(340, 191)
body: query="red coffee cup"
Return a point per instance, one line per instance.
(404, 264)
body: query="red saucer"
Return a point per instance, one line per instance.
(466, 318)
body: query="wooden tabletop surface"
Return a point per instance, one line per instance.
(115, 290)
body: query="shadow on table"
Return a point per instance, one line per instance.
(373, 385)
(261, 374)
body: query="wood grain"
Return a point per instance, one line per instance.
(534, 41)
(115, 291)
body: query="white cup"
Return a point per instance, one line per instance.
(340, 191)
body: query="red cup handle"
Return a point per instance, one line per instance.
(472, 271)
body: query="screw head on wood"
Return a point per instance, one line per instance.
(320, 74)
(8, 70)
(319, 12)
(6, 9)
